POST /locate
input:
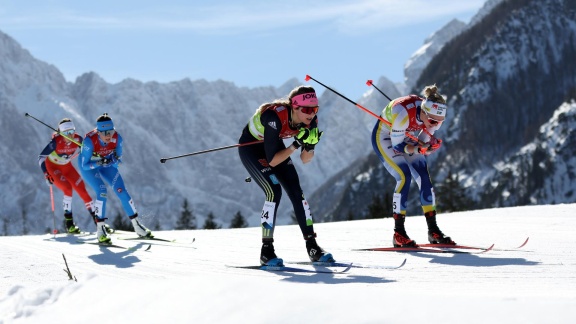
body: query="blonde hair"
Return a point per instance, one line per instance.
(431, 92)
(286, 102)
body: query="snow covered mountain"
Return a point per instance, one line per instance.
(505, 77)
(156, 120)
(432, 45)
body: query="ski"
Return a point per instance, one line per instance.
(471, 247)
(154, 239)
(451, 246)
(351, 265)
(289, 269)
(146, 247)
(426, 250)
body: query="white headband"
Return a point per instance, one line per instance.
(434, 108)
(66, 126)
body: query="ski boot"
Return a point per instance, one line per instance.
(401, 239)
(268, 256)
(101, 233)
(140, 229)
(71, 228)
(315, 252)
(436, 236)
(109, 230)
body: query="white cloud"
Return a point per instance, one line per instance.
(348, 16)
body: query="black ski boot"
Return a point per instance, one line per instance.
(268, 256)
(435, 235)
(401, 239)
(315, 252)
(71, 228)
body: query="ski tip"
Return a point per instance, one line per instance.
(488, 248)
(403, 263)
(523, 244)
(149, 247)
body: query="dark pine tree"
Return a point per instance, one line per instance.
(380, 207)
(187, 219)
(209, 223)
(238, 221)
(451, 196)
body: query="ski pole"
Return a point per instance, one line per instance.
(369, 83)
(359, 106)
(52, 128)
(163, 160)
(54, 230)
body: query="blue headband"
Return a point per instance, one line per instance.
(104, 125)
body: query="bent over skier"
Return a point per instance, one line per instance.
(101, 155)
(269, 164)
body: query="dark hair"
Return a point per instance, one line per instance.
(287, 102)
(103, 117)
(64, 120)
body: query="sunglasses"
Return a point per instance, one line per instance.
(68, 132)
(107, 132)
(309, 110)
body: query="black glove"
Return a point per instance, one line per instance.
(49, 179)
(108, 161)
(312, 139)
(299, 139)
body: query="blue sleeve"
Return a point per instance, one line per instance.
(119, 147)
(86, 156)
(44, 154)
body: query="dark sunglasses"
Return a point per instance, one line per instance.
(309, 110)
(107, 132)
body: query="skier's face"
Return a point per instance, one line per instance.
(106, 136)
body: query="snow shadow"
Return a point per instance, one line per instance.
(329, 278)
(474, 260)
(116, 257)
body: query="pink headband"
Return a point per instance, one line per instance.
(305, 100)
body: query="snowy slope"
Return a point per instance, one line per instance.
(189, 283)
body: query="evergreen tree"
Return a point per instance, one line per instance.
(122, 223)
(24, 222)
(210, 223)
(380, 207)
(350, 216)
(451, 196)
(238, 221)
(187, 219)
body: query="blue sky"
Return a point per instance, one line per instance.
(252, 43)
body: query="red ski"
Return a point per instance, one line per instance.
(452, 249)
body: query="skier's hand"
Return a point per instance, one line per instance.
(104, 162)
(435, 143)
(299, 139)
(432, 146)
(312, 139)
(49, 179)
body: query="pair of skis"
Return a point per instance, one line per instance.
(318, 267)
(445, 248)
(422, 248)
